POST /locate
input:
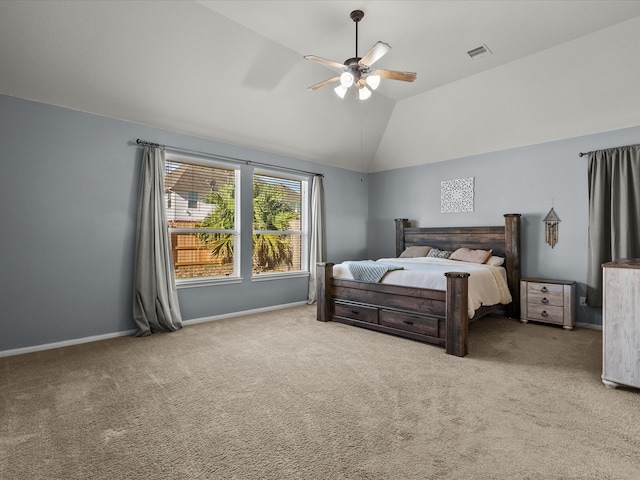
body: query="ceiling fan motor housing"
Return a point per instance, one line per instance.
(356, 70)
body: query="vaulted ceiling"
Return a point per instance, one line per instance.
(234, 71)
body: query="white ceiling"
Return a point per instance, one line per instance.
(233, 70)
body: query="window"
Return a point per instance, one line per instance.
(193, 199)
(279, 223)
(202, 214)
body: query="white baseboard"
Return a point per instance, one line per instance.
(244, 312)
(65, 343)
(96, 338)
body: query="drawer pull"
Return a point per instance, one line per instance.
(544, 290)
(544, 313)
(355, 312)
(408, 322)
(544, 300)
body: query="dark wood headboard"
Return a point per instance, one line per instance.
(503, 240)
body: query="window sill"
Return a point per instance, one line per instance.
(278, 276)
(206, 282)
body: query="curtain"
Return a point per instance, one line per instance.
(614, 212)
(155, 301)
(318, 241)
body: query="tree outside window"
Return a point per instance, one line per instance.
(276, 224)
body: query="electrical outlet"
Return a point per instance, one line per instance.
(583, 301)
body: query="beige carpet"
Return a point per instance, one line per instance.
(281, 396)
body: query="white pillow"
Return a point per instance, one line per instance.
(495, 261)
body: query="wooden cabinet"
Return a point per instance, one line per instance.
(548, 301)
(621, 323)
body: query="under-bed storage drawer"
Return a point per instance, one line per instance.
(356, 311)
(412, 323)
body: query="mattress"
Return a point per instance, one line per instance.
(487, 284)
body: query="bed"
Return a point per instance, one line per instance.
(436, 316)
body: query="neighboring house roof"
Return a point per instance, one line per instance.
(195, 178)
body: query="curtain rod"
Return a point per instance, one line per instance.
(582, 154)
(145, 143)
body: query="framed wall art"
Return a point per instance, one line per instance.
(456, 195)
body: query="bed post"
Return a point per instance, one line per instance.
(324, 272)
(457, 324)
(512, 252)
(401, 224)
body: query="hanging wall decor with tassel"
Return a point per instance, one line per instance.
(551, 222)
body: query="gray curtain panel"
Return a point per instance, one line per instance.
(318, 243)
(614, 212)
(155, 301)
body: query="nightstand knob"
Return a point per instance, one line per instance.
(544, 313)
(544, 300)
(544, 290)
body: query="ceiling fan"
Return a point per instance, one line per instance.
(357, 70)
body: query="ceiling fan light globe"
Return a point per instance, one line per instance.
(340, 90)
(364, 93)
(373, 81)
(346, 79)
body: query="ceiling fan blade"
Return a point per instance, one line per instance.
(324, 61)
(322, 84)
(374, 54)
(396, 75)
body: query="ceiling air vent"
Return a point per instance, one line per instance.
(479, 52)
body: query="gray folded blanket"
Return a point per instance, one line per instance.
(370, 271)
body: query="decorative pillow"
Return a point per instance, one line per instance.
(415, 251)
(471, 256)
(495, 261)
(435, 253)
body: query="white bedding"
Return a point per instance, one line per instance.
(487, 284)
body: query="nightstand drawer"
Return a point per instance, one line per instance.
(545, 313)
(546, 294)
(357, 312)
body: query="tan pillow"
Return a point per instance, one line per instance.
(415, 251)
(471, 256)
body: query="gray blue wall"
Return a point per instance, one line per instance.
(527, 180)
(69, 186)
(68, 190)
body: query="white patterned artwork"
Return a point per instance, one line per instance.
(456, 195)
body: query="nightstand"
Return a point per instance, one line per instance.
(548, 301)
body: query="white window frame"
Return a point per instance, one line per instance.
(236, 232)
(304, 225)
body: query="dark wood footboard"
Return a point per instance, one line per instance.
(438, 317)
(432, 316)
